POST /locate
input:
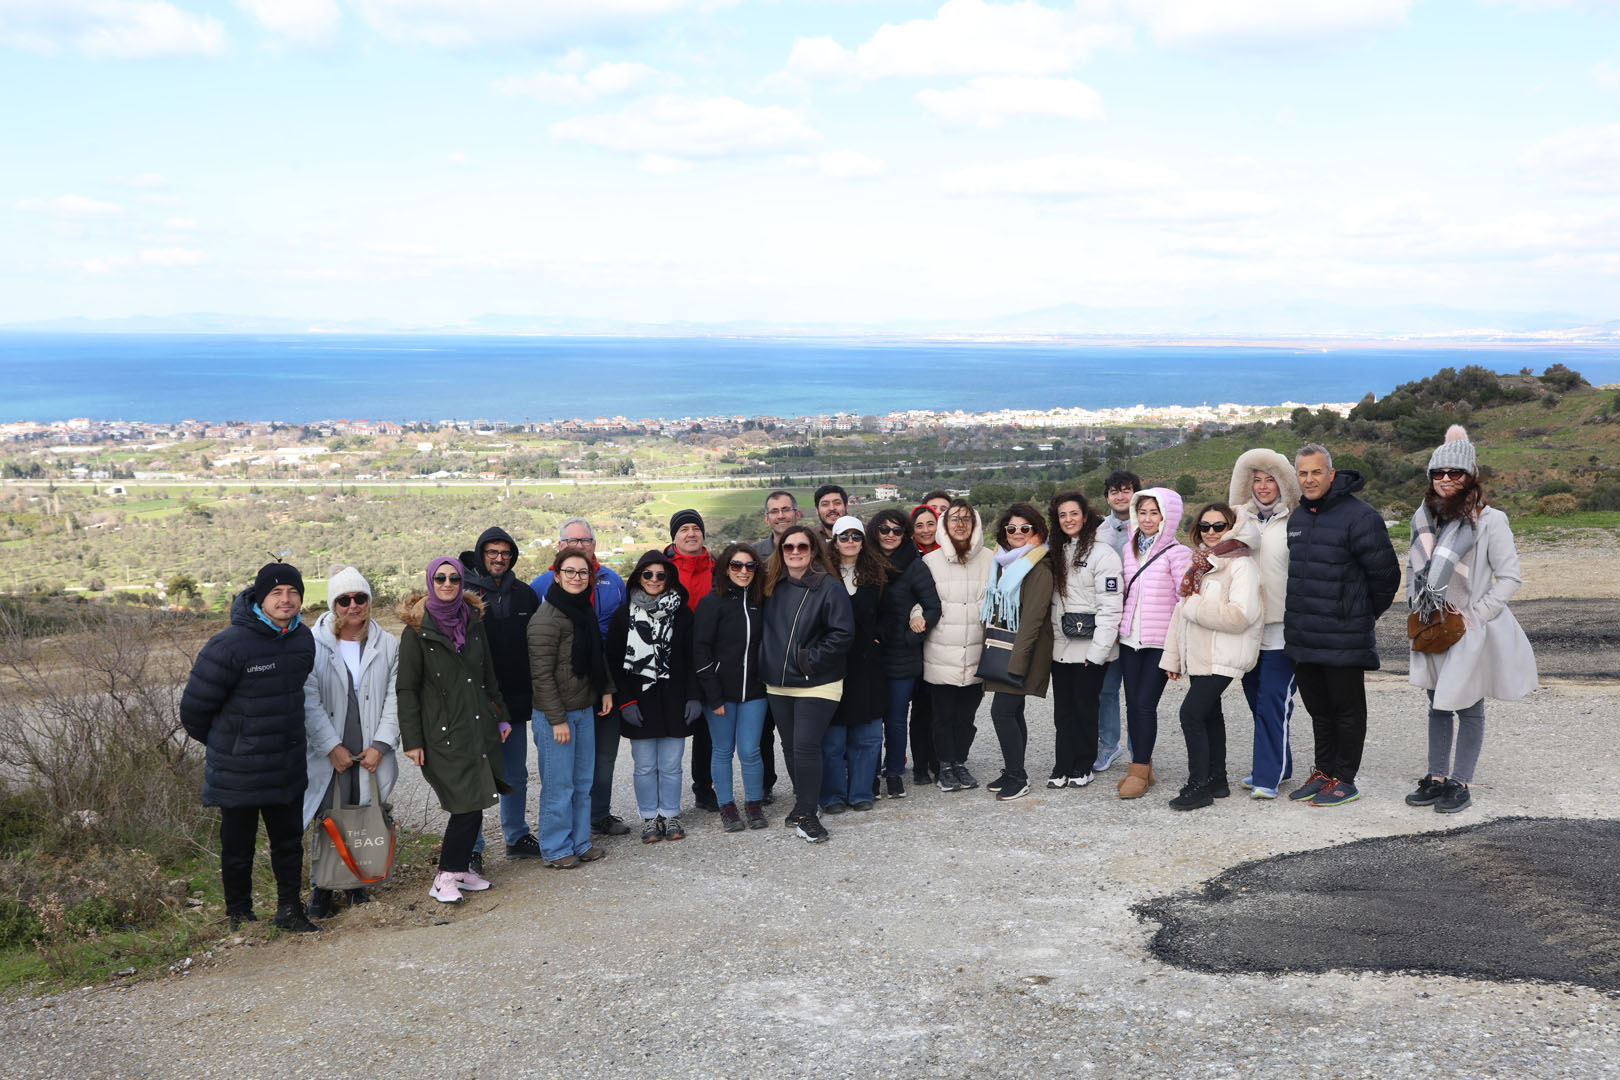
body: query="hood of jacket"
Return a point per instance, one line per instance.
(672, 573)
(1241, 492)
(322, 629)
(1169, 506)
(413, 607)
(473, 561)
(948, 546)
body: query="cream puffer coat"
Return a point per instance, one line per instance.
(951, 649)
(1216, 631)
(1096, 586)
(1272, 554)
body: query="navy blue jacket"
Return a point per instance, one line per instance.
(1342, 575)
(245, 702)
(509, 604)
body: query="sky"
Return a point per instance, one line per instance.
(859, 162)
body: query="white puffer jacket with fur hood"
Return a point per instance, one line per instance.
(1216, 631)
(1272, 554)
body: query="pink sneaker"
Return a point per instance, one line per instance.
(444, 889)
(471, 882)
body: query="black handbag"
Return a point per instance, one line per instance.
(997, 655)
(1079, 624)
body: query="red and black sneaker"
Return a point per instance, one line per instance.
(1318, 780)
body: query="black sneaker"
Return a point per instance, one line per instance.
(835, 808)
(239, 917)
(810, 829)
(609, 825)
(947, 778)
(291, 917)
(476, 863)
(964, 779)
(1193, 796)
(707, 800)
(862, 805)
(1218, 787)
(358, 897)
(792, 820)
(997, 784)
(1428, 791)
(1012, 789)
(896, 785)
(770, 797)
(322, 905)
(1318, 780)
(524, 847)
(921, 777)
(1453, 797)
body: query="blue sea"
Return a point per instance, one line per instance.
(166, 378)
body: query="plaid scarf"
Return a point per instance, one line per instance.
(1434, 560)
(1193, 579)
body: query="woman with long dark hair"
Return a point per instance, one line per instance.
(1463, 561)
(1018, 598)
(910, 607)
(727, 629)
(853, 743)
(960, 569)
(1086, 605)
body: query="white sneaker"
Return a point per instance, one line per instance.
(1057, 781)
(1080, 781)
(445, 889)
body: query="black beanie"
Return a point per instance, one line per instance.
(273, 574)
(686, 517)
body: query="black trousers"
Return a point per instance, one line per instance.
(802, 722)
(767, 750)
(1336, 698)
(1076, 691)
(923, 755)
(954, 707)
(1204, 727)
(1012, 732)
(607, 755)
(239, 836)
(702, 758)
(459, 833)
(1144, 684)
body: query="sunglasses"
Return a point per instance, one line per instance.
(357, 599)
(741, 567)
(795, 549)
(653, 575)
(1448, 474)
(850, 536)
(1213, 526)
(447, 579)
(1020, 530)
(891, 530)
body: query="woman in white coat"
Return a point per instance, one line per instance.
(1087, 588)
(1214, 637)
(1462, 559)
(961, 567)
(351, 715)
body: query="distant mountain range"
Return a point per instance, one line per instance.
(1287, 320)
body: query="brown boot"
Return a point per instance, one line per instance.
(1138, 778)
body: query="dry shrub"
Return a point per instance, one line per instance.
(1560, 505)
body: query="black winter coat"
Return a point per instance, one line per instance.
(726, 633)
(663, 704)
(910, 585)
(245, 702)
(866, 690)
(508, 606)
(809, 628)
(1342, 575)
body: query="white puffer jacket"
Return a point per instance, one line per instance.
(951, 649)
(326, 704)
(1272, 554)
(1096, 586)
(1216, 631)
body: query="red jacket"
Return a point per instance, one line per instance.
(696, 573)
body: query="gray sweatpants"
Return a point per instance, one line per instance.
(1470, 736)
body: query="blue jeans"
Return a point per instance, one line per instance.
(894, 725)
(739, 730)
(1108, 709)
(1269, 688)
(859, 744)
(658, 776)
(565, 784)
(515, 771)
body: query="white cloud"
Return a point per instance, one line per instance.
(848, 165)
(1267, 25)
(662, 165)
(70, 206)
(574, 87)
(965, 37)
(181, 224)
(988, 101)
(676, 127)
(147, 180)
(457, 157)
(109, 265)
(173, 257)
(119, 29)
(1060, 175)
(307, 21)
(459, 24)
(1198, 207)
(1607, 75)
(1584, 159)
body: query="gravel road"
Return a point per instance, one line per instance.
(938, 936)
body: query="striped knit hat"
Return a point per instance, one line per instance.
(1455, 453)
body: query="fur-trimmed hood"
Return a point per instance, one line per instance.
(1241, 491)
(413, 607)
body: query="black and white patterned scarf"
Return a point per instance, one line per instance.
(652, 623)
(1434, 561)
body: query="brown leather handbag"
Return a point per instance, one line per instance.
(1439, 632)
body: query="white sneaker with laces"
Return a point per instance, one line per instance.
(1080, 781)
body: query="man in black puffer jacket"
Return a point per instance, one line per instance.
(509, 603)
(245, 702)
(1342, 575)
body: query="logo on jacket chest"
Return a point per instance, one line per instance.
(259, 669)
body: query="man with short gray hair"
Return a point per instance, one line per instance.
(1342, 575)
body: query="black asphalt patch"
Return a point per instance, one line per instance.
(1513, 899)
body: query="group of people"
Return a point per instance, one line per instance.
(854, 643)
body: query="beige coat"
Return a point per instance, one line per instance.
(1272, 555)
(1216, 631)
(951, 649)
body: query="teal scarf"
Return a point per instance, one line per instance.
(1007, 570)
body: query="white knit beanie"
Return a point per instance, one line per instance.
(1455, 453)
(345, 581)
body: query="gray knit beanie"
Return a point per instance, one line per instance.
(1455, 453)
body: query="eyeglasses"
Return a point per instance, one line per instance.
(778, 511)
(891, 530)
(1020, 530)
(570, 572)
(497, 553)
(653, 575)
(447, 579)
(741, 567)
(1213, 526)
(1447, 474)
(577, 540)
(960, 519)
(850, 536)
(357, 599)
(795, 549)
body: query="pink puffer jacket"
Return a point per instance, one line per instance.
(1152, 598)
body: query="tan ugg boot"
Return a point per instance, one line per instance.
(1138, 778)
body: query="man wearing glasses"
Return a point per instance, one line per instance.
(607, 596)
(1342, 575)
(781, 514)
(508, 605)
